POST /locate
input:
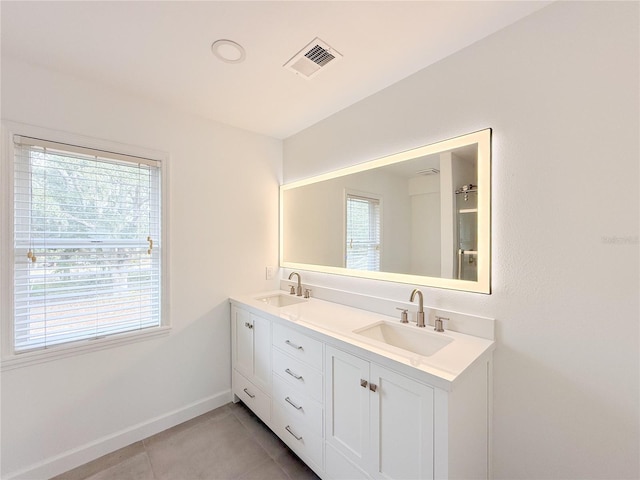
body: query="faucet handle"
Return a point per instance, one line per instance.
(404, 317)
(307, 293)
(292, 290)
(437, 324)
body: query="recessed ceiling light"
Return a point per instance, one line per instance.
(228, 51)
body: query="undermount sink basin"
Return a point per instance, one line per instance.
(281, 300)
(406, 336)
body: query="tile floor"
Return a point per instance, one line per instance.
(227, 443)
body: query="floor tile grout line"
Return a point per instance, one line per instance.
(251, 435)
(267, 461)
(146, 452)
(272, 458)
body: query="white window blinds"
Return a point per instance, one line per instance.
(363, 233)
(86, 242)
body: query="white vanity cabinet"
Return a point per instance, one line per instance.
(298, 393)
(378, 423)
(251, 361)
(353, 411)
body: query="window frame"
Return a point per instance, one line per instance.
(9, 358)
(348, 192)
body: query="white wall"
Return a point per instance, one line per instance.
(424, 192)
(223, 232)
(560, 89)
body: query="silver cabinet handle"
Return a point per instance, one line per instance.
(248, 325)
(247, 392)
(373, 387)
(297, 377)
(291, 344)
(288, 400)
(288, 429)
(363, 383)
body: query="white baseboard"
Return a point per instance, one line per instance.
(70, 459)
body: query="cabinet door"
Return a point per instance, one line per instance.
(261, 352)
(347, 405)
(402, 427)
(243, 342)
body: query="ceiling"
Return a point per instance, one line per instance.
(162, 50)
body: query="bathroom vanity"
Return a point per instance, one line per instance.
(359, 395)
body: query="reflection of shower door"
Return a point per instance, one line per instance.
(467, 244)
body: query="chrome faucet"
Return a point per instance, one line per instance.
(299, 288)
(420, 318)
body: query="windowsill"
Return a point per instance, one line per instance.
(78, 348)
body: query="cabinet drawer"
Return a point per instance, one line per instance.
(297, 405)
(298, 437)
(298, 345)
(304, 378)
(254, 398)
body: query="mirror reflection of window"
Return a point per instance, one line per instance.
(362, 250)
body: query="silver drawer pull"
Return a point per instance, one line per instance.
(297, 377)
(288, 400)
(291, 344)
(288, 429)
(247, 392)
(363, 383)
(248, 325)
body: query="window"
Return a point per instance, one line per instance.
(87, 244)
(362, 233)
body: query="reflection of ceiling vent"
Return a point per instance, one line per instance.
(312, 58)
(428, 171)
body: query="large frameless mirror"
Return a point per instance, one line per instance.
(421, 217)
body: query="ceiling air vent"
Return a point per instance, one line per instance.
(312, 58)
(428, 171)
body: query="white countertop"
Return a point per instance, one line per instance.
(335, 324)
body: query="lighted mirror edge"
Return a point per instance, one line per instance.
(420, 280)
(481, 137)
(483, 285)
